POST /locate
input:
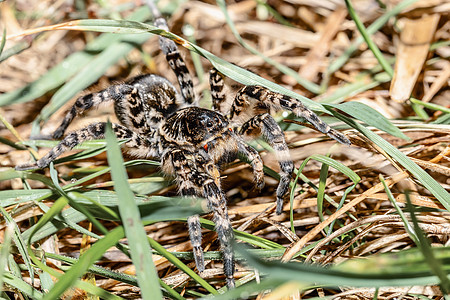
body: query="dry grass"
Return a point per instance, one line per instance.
(321, 32)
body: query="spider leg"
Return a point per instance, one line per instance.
(193, 179)
(266, 99)
(139, 104)
(135, 144)
(195, 235)
(176, 62)
(266, 125)
(216, 83)
(256, 162)
(86, 102)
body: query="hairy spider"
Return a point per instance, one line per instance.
(191, 142)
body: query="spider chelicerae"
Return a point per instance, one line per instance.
(191, 142)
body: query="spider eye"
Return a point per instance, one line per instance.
(209, 124)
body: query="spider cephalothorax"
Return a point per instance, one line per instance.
(192, 143)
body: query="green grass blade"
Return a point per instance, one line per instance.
(19, 242)
(15, 49)
(181, 266)
(3, 42)
(93, 290)
(156, 208)
(69, 67)
(84, 262)
(354, 273)
(245, 291)
(321, 191)
(431, 105)
(56, 209)
(13, 197)
(432, 185)
(246, 237)
(374, 27)
(324, 160)
(312, 87)
(21, 286)
(88, 75)
(428, 254)
(370, 116)
(137, 238)
(362, 84)
(410, 230)
(372, 46)
(5, 250)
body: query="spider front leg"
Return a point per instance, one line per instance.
(266, 125)
(136, 144)
(194, 179)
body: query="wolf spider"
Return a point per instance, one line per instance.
(191, 142)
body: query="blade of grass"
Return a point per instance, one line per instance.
(431, 105)
(19, 242)
(374, 27)
(85, 261)
(410, 230)
(324, 160)
(372, 117)
(3, 42)
(4, 250)
(361, 84)
(119, 276)
(432, 185)
(13, 197)
(321, 191)
(181, 266)
(354, 273)
(312, 87)
(372, 46)
(88, 75)
(425, 247)
(246, 237)
(21, 286)
(70, 66)
(139, 247)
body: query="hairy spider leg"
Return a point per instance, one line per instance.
(140, 104)
(192, 180)
(86, 102)
(216, 83)
(255, 160)
(176, 62)
(266, 99)
(138, 145)
(265, 125)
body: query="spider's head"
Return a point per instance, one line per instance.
(195, 125)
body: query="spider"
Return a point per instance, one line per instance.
(192, 143)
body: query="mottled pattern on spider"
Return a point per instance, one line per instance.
(192, 143)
